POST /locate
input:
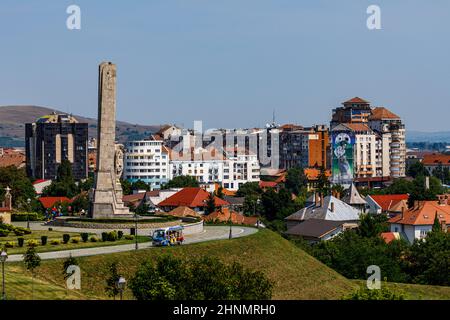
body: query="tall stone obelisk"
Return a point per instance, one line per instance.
(107, 193)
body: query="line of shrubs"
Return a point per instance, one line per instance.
(27, 216)
(6, 229)
(84, 237)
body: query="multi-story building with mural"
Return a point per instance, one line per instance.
(376, 150)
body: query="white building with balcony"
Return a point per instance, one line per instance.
(148, 161)
(209, 166)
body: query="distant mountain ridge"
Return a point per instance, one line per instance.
(13, 119)
(418, 136)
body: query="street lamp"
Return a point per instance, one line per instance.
(136, 231)
(3, 258)
(121, 283)
(28, 215)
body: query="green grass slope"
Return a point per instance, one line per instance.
(295, 274)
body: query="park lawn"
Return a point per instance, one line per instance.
(416, 291)
(19, 287)
(73, 246)
(295, 274)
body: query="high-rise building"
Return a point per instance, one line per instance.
(52, 139)
(368, 143)
(303, 147)
(148, 161)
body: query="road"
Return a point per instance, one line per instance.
(209, 233)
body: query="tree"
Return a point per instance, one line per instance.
(420, 192)
(32, 261)
(21, 187)
(296, 181)
(372, 226)
(210, 203)
(127, 187)
(277, 205)
(436, 224)
(219, 193)
(81, 202)
(199, 279)
(350, 254)
(429, 259)
(417, 169)
(252, 194)
(140, 185)
(64, 185)
(71, 261)
(182, 182)
(249, 188)
(323, 183)
(111, 288)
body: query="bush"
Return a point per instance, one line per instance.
(32, 243)
(20, 242)
(22, 216)
(94, 239)
(177, 279)
(104, 236)
(50, 229)
(66, 238)
(4, 232)
(55, 242)
(129, 237)
(85, 237)
(76, 240)
(44, 240)
(9, 244)
(120, 234)
(112, 236)
(19, 231)
(384, 293)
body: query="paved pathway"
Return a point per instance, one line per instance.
(209, 233)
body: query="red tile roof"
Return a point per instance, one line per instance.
(356, 100)
(436, 159)
(387, 201)
(192, 198)
(380, 113)
(424, 214)
(390, 236)
(49, 202)
(236, 218)
(268, 184)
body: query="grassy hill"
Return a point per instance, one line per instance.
(296, 275)
(13, 119)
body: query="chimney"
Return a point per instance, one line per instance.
(442, 199)
(332, 207)
(316, 199)
(444, 225)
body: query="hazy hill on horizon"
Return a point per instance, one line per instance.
(13, 119)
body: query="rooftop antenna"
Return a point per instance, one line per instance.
(273, 118)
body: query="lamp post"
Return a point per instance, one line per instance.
(136, 230)
(3, 258)
(121, 283)
(28, 216)
(257, 202)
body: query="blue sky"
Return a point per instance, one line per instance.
(230, 63)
